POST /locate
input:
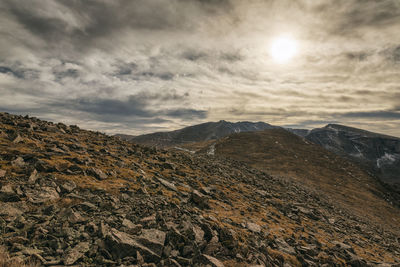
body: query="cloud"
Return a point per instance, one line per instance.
(6, 70)
(137, 106)
(396, 54)
(380, 114)
(143, 65)
(349, 17)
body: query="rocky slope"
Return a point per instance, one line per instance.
(197, 133)
(75, 197)
(379, 152)
(284, 154)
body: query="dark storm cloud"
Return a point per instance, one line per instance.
(395, 54)
(232, 56)
(126, 68)
(51, 29)
(139, 106)
(358, 56)
(312, 123)
(130, 107)
(86, 21)
(380, 114)
(20, 72)
(163, 76)
(222, 56)
(186, 114)
(194, 55)
(15, 73)
(69, 73)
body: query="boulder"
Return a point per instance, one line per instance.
(86, 206)
(167, 184)
(153, 239)
(31, 251)
(18, 139)
(342, 246)
(198, 233)
(97, 173)
(253, 227)
(2, 173)
(71, 255)
(42, 195)
(67, 186)
(284, 247)
(121, 244)
(33, 177)
(168, 166)
(7, 194)
(75, 217)
(18, 162)
(74, 169)
(131, 228)
(44, 166)
(10, 211)
(200, 199)
(228, 238)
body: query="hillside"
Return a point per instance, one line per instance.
(76, 197)
(380, 153)
(283, 154)
(197, 133)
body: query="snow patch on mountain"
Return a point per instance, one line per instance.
(387, 159)
(358, 154)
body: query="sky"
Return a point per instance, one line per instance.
(139, 66)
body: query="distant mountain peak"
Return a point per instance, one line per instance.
(200, 132)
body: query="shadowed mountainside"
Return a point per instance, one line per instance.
(380, 153)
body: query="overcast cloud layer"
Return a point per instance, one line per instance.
(137, 66)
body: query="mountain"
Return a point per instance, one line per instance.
(74, 197)
(378, 153)
(197, 133)
(284, 154)
(381, 153)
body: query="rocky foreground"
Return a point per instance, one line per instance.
(75, 197)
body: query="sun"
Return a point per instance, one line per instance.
(283, 49)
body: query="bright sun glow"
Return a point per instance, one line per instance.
(283, 49)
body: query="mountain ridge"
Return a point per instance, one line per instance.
(377, 152)
(200, 132)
